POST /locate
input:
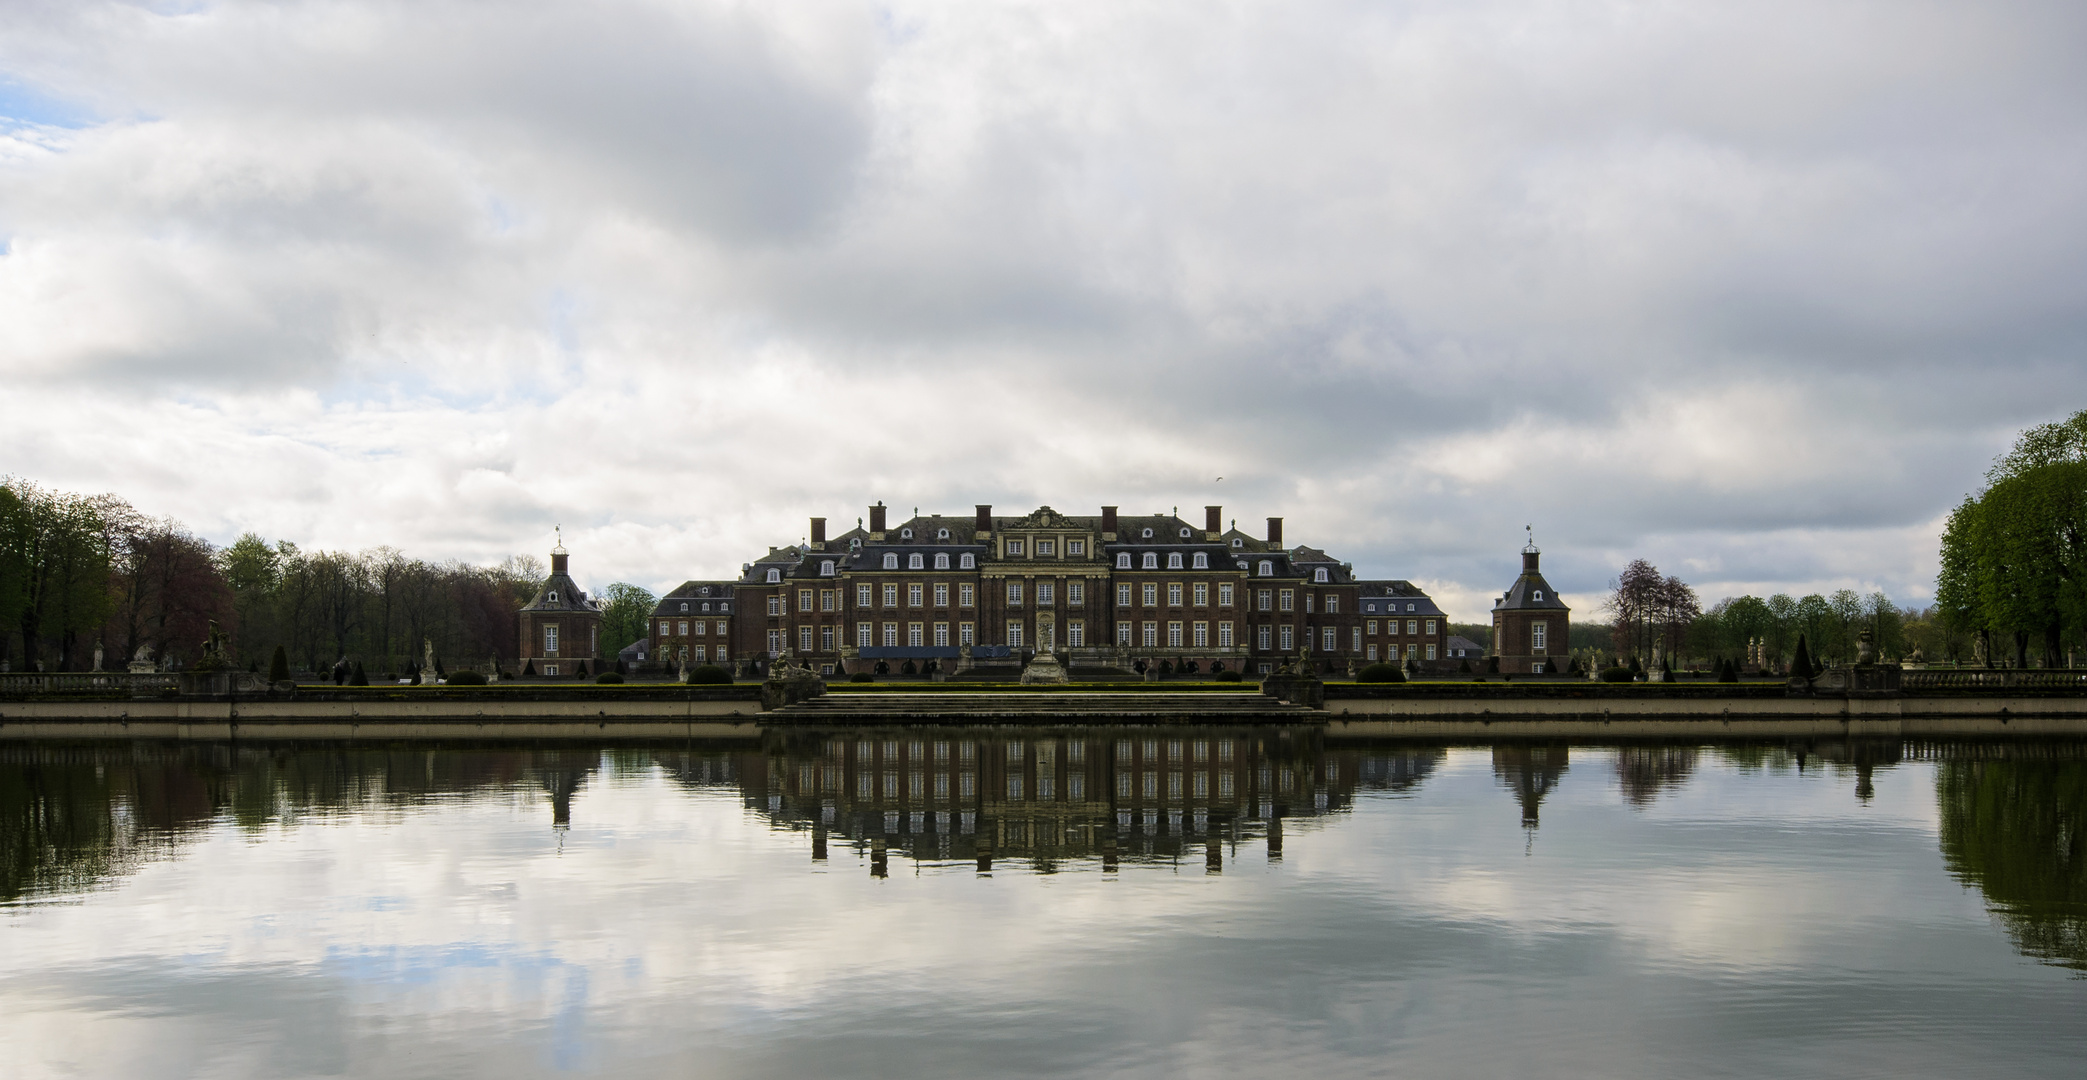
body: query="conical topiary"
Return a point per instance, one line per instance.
(1801, 663)
(279, 666)
(358, 678)
(529, 668)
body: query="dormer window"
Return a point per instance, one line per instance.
(1202, 560)
(1151, 561)
(551, 597)
(1537, 595)
(724, 608)
(704, 591)
(1242, 564)
(825, 567)
(905, 534)
(775, 576)
(891, 560)
(942, 561)
(941, 534)
(1173, 560)
(1267, 568)
(1409, 607)
(915, 562)
(1148, 534)
(1238, 543)
(1184, 532)
(706, 609)
(1319, 576)
(1123, 560)
(855, 543)
(684, 607)
(1372, 608)
(966, 561)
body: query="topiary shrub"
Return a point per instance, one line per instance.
(358, 677)
(466, 678)
(1380, 673)
(279, 666)
(1617, 674)
(862, 676)
(604, 677)
(708, 675)
(1226, 676)
(529, 669)
(907, 668)
(1801, 665)
(1463, 667)
(1727, 671)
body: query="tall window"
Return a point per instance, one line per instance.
(775, 605)
(1044, 593)
(941, 635)
(891, 596)
(1266, 600)
(913, 595)
(1261, 635)
(1150, 593)
(1224, 635)
(775, 642)
(1076, 630)
(1537, 632)
(1173, 635)
(826, 600)
(826, 639)
(1174, 594)
(1224, 594)
(891, 634)
(1014, 595)
(1356, 646)
(1287, 600)
(1201, 592)
(913, 635)
(1123, 633)
(1202, 635)
(1333, 605)
(862, 596)
(1076, 593)
(804, 599)
(1287, 636)
(1014, 634)
(966, 635)
(1431, 626)
(804, 639)
(964, 595)
(1150, 635)
(1329, 640)
(942, 594)
(550, 638)
(1413, 626)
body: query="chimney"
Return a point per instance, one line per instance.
(984, 525)
(1108, 523)
(877, 521)
(1275, 532)
(819, 534)
(1213, 520)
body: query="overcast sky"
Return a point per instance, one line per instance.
(1754, 290)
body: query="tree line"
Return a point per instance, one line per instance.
(1653, 610)
(2014, 556)
(81, 572)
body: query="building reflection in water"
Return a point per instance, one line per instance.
(1530, 771)
(1047, 795)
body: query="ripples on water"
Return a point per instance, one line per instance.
(1036, 901)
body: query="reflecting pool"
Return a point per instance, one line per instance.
(943, 901)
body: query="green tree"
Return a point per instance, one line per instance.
(625, 616)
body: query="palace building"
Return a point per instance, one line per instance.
(561, 627)
(1106, 591)
(1530, 623)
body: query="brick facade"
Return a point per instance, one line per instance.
(1530, 623)
(561, 626)
(1108, 590)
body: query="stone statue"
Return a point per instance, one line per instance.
(1865, 648)
(97, 654)
(492, 670)
(141, 662)
(427, 663)
(215, 655)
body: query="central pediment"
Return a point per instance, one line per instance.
(1046, 518)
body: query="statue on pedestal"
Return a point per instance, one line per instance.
(427, 663)
(141, 662)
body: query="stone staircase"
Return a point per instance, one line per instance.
(1136, 707)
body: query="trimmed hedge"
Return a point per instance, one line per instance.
(1617, 674)
(608, 677)
(1226, 676)
(1380, 673)
(708, 675)
(466, 678)
(862, 676)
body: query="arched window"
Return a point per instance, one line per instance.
(1267, 568)
(774, 576)
(1123, 560)
(915, 562)
(1148, 534)
(942, 561)
(552, 596)
(1238, 543)
(825, 567)
(1409, 607)
(684, 608)
(704, 591)
(941, 534)
(905, 534)
(724, 608)
(1173, 560)
(1202, 560)
(966, 561)
(1538, 595)
(706, 608)
(891, 560)
(1319, 575)
(1151, 561)
(1184, 532)
(855, 543)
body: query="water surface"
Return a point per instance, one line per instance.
(1035, 901)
